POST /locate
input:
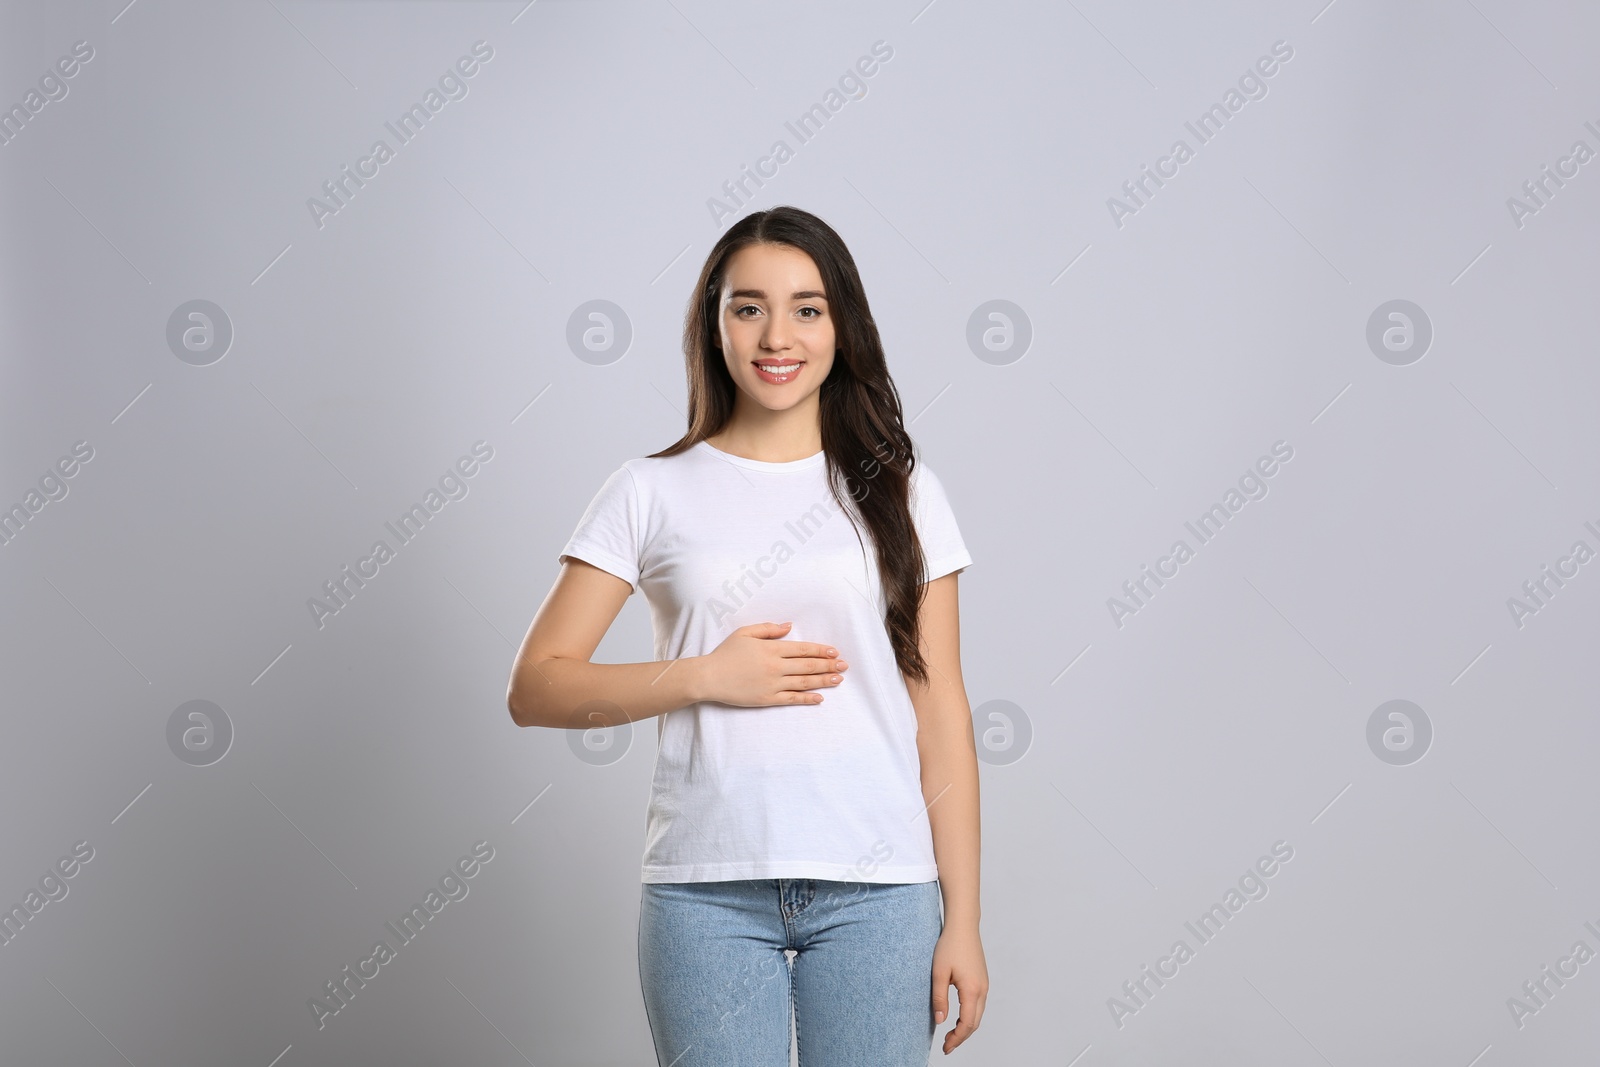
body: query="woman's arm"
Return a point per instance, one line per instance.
(554, 684)
(950, 787)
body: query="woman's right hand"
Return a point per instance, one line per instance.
(751, 668)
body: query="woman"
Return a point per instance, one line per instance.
(783, 821)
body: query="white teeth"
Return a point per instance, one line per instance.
(781, 371)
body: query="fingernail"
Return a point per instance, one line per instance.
(833, 651)
(938, 1016)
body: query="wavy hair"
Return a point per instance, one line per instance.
(868, 451)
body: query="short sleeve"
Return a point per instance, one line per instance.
(608, 534)
(942, 546)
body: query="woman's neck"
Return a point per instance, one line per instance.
(774, 439)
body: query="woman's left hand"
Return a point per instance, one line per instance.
(958, 960)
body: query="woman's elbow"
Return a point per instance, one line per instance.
(523, 704)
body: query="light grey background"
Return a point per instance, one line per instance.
(1150, 764)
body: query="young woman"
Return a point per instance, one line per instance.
(816, 783)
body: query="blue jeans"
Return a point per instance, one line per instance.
(719, 988)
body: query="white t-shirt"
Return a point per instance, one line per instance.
(829, 790)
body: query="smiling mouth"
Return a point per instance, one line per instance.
(778, 373)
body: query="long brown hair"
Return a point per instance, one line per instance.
(868, 451)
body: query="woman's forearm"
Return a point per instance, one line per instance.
(574, 694)
(950, 788)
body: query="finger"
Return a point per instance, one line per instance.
(813, 666)
(960, 1032)
(807, 649)
(971, 1008)
(793, 664)
(810, 681)
(941, 994)
(978, 1001)
(829, 666)
(766, 631)
(971, 995)
(806, 672)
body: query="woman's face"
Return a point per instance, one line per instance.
(774, 315)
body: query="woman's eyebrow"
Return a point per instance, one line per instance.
(760, 294)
